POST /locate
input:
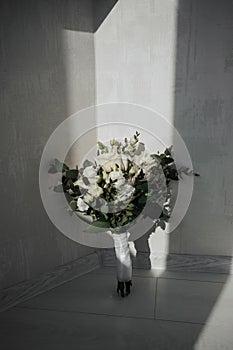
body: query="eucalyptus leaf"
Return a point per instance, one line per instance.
(97, 226)
(161, 224)
(58, 188)
(142, 200)
(57, 167)
(72, 174)
(87, 163)
(73, 205)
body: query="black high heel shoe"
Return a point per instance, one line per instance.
(127, 287)
(120, 288)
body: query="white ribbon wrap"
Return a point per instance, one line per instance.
(124, 263)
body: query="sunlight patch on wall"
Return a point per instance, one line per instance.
(78, 51)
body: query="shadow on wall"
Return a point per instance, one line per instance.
(88, 15)
(33, 103)
(203, 116)
(44, 79)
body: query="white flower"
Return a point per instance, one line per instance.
(88, 198)
(134, 169)
(81, 184)
(89, 172)
(82, 206)
(117, 175)
(125, 193)
(130, 149)
(104, 157)
(133, 141)
(109, 160)
(146, 162)
(125, 161)
(95, 191)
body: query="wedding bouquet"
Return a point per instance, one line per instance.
(114, 188)
(121, 183)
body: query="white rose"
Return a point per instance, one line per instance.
(104, 157)
(95, 191)
(82, 206)
(145, 161)
(81, 184)
(117, 175)
(91, 174)
(88, 198)
(125, 193)
(108, 161)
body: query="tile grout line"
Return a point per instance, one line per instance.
(162, 277)
(83, 312)
(178, 321)
(108, 315)
(190, 280)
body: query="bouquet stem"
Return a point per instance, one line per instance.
(124, 263)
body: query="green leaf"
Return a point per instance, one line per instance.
(73, 205)
(86, 181)
(155, 156)
(143, 185)
(72, 174)
(164, 217)
(87, 163)
(162, 224)
(168, 151)
(130, 206)
(104, 217)
(172, 174)
(70, 184)
(58, 188)
(167, 160)
(124, 219)
(57, 167)
(97, 226)
(142, 200)
(99, 223)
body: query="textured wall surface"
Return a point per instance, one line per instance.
(204, 117)
(47, 73)
(173, 56)
(176, 57)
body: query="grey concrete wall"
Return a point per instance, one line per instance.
(203, 113)
(176, 58)
(47, 73)
(172, 56)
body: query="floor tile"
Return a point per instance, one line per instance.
(195, 276)
(96, 293)
(49, 330)
(136, 272)
(184, 300)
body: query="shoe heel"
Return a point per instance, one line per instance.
(120, 288)
(127, 287)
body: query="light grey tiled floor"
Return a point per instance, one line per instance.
(170, 310)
